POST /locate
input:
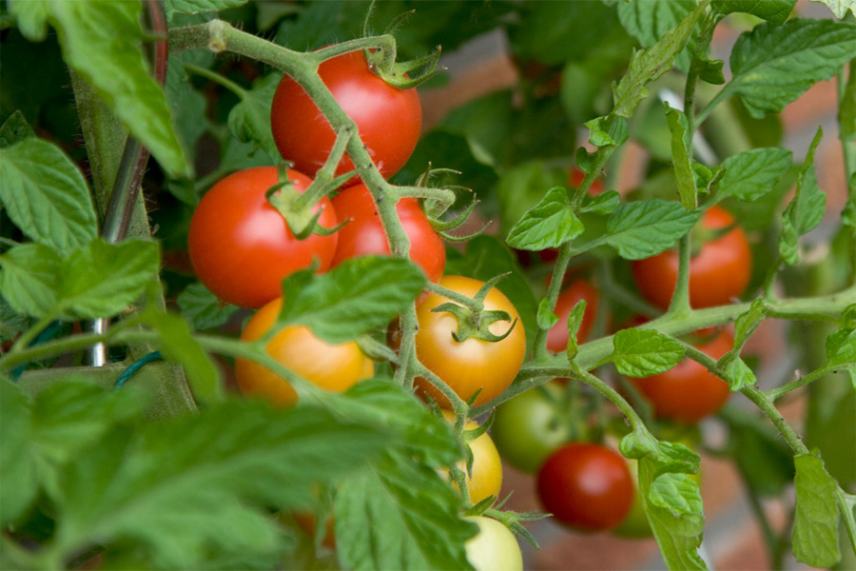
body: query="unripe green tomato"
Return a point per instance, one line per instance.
(526, 429)
(494, 548)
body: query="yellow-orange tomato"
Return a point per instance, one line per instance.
(473, 364)
(332, 367)
(485, 477)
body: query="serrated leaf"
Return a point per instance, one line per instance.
(645, 228)
(815, 532)
(676, 493)
(752, 174)
(15, 128)
(173, 7)
(650, 20)
(774, 64)
(738, 374)
(806, 209)
(608, 131)
(102, 41)
(681, 158)
(649, 64)
(203, 308)
(249, 120)
(45, 195)
(776, 11)
(355, 297)
(840, 7)
(549, 224)
(645, 352)
(575, 320)
(11, 322)
(30, 278)
(604, 203)
(102, 279)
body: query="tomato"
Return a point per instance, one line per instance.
(586, 486)
(485, 476)
(364, 234)
(494, 548)
(332, 367)
(689, 392)
(472, 365)
(388, 119)
(557, 337)
(576, 176)
(527, 430)
(718, 273)
(241, 247)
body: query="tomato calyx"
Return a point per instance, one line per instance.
(298, 208)
(406, 74)
(473, 320)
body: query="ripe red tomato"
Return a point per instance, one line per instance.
(332, 367)
(473, 364)
(388, 119)
(363, 234)
(689, 392)
(557, 337)
(586, 486)
(718, 273)
(241, 247)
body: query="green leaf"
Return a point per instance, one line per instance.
(575, 320)
(521, 187)
(11, 322)
(203, 308)
(549, 224)
(547, 318)
(645, 228)
(675, 511)
(649, 64)
(815, 532)
(178, 346)
(103, 279)
(355, 297)
(752, 174)
(738, 374)
(774, 64)
(775, 11)
(608, 131)
(46, 434)
(102, 41)
(46, 195)
(15, 128)
(249, 120)
(175, 497)
(408, 509)
(32, 18)
(650, 20)
(806, 209)
(30, 278)
(841, 348)
(187, 104)
(645, 352)
(748, 321)
(604, 203)
(681, 158)
(198, 6)
(840, 7)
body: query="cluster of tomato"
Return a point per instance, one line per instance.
(241, 249)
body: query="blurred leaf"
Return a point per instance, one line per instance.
(15, 128)
(249, 120)
(776, 11)
(521, 187)
(198, 6)
(766, 131)
(203, 308)
(11, 322)
(485, 123)
(815, 532)
(46, 195)
(187, 104)
(549, 224)
(840, 7)
(30, 278)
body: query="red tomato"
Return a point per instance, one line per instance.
(689, 392)
(388, 119)
(557, 337)
(241, 247)
(719, 272)
(586, 486)
(363, 234)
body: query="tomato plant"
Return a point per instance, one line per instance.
(240, 246)
(148, 204)
(363, 231)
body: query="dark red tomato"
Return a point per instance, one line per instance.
(718, 273)
(586, 486)
(557, 337)
(363, 234)
(689, 392)
(389, 119)
(241, 247)
(576, 177)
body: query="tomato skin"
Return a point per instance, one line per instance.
(389, 119)
(363, 234)
(576, 176)
(240, 246)
(689, 392)
(720, 272)
(557, 337)
(332, 367)
(494, 548)
(485, 477)
(526, 429)
(473, 364)
(586, 486)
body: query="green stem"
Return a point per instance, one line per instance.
(722, 95)
(27, 336)
(680, 304)
(385, 43)
(217, 78)
(778, 392)
(458, 298)
(566, 252)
